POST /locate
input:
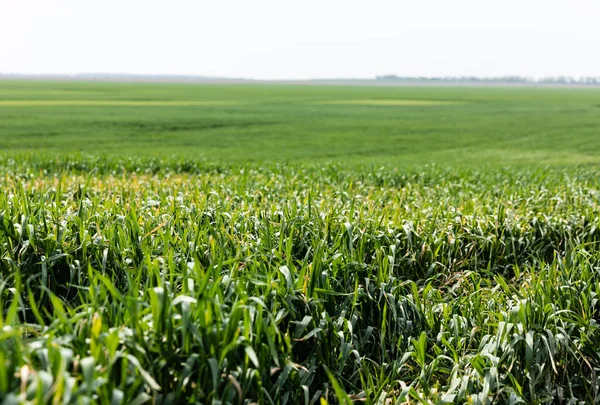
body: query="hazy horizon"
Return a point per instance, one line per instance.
(269, 40)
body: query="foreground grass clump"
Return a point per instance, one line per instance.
(294, 284)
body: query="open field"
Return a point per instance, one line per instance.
(245, 244)
(399, 126)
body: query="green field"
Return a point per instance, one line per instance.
(399, 126)
(277, 244)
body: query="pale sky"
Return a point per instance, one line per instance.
(278, 39)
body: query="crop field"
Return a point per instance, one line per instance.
(236, 124)
(277, 244)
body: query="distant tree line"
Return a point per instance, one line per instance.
(499, 79)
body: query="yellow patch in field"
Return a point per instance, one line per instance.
(113, 103)
(390, 102)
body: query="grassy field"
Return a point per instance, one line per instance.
(400, 126)
(241, 244)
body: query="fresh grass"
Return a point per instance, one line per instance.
(240, 123)
(389, 102)
(254, 273)
(117, 103)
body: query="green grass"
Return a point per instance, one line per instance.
(400, 126)
(269, 245)
(389, 102)
(110, 103)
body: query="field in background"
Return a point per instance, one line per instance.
(244, 244)
(236, 123)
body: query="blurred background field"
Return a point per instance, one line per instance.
(397, 126)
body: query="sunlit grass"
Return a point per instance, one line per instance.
(400, 126)
(113, 103)
(259, 248)
(161, 281)
(386, 102)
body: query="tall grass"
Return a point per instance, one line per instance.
(297, 284)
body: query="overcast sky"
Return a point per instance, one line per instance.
(278, 39)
